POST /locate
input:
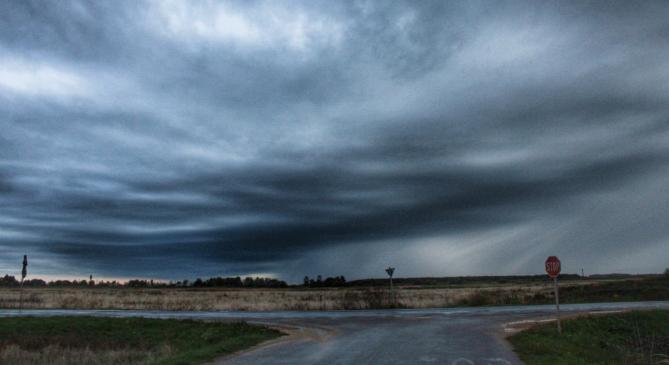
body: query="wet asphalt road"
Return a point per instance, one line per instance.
(429, 339)
(452, 336)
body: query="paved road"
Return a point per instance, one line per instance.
(453, 336)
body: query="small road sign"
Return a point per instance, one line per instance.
(24, 271)
(390, 271)
(553, 266)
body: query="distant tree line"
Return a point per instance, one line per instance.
(217, 282)
(237, 282)
(460, 280)
(327, 283)
(9, 280)
(317, 282)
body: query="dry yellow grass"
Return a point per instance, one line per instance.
(266, 299)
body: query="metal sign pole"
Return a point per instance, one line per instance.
(557, 304)
(21, 297)
(24, 272)
(553, 268)
(390, 271)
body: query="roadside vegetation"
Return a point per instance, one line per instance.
(107, 341)
(647, 288)
(635, 338)
(460, 292)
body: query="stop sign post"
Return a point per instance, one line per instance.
(553, 268)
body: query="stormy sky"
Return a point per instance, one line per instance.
(170, 139)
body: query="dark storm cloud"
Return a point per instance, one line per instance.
(171, 139)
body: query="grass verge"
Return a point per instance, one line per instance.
(95, 340)
(630, 338)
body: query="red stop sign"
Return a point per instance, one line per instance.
(553, 266)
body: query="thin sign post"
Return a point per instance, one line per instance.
(24, 273)
(553, 268)
(390, 271)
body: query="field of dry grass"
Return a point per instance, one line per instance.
(271, 299)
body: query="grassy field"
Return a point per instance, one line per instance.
(636, 338)
(212, 299)
(106, 341)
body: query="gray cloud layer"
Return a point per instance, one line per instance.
(175, 139)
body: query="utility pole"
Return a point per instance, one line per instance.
(24, 273)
